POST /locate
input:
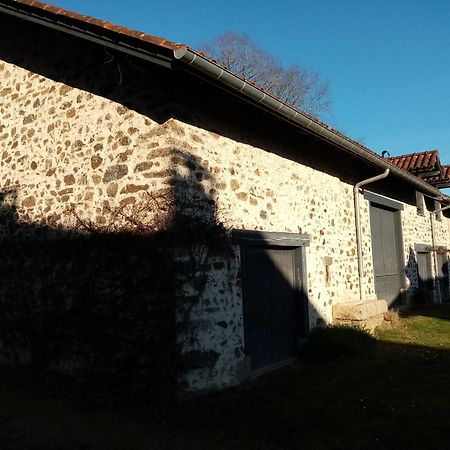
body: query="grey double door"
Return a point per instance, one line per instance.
(387, 253)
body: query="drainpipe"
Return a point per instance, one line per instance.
(433, 245)
(358, 225)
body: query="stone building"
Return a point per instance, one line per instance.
(94, 117)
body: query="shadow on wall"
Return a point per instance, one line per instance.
(93, 304)
(103, 302)
(100, 302)
(123, 306)
(265, 300)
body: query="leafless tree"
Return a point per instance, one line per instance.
(298, 86)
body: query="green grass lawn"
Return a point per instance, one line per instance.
(394, 396)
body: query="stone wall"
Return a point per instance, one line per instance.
(62, 146)
(73, 140)
(253, 189)
(417, 230)
(256, 190)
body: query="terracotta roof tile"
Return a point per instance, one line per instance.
(422, 162)
(417, 162)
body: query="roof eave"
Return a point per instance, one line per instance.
(428, 174)
(166, 53)
(442, 184)
(294, 116)
(90, 31)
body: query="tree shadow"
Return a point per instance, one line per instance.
(216, 285)
(94, 306)
(132, 305)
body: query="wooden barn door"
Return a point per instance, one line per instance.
(274, 303)
(387, 253)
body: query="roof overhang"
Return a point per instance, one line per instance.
(423, 175)
(173, 55)
(442, 184)
(93, 30)
(299, 118)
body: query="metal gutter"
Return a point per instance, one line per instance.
(220, 74)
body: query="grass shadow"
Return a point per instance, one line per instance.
(393, 396)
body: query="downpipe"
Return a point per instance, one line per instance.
(356, 188)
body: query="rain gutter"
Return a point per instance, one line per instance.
(214, 71)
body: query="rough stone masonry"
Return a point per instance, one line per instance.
(73, 133)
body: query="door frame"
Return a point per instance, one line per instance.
(294, 241)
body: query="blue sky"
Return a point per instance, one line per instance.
(388, 60)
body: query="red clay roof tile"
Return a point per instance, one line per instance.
(422, 162)
(417, 162)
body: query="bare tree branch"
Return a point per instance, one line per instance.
(296, 85)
